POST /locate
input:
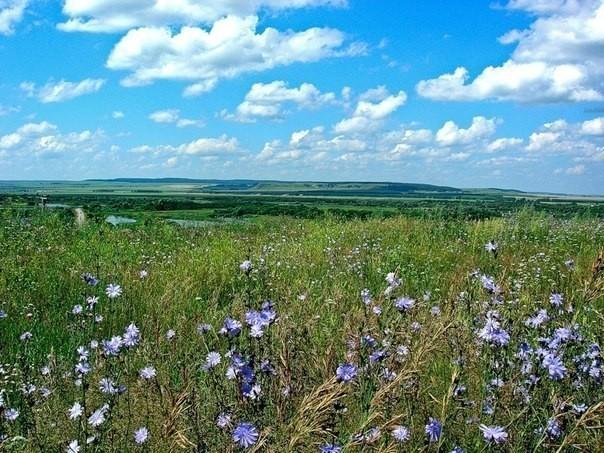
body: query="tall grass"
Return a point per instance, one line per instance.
(430, 362)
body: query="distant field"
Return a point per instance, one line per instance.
(179, 199)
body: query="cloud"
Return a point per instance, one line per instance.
(201, 147)
(117, 115)
(593, 127)
(577, 170)
(559, 58)
(11, 13)
(265, 100)
(372, 108)
(62, 91)
(538, 141)
(119, 15)
(44, 140)
(4, 110)
(172, 116)
(194, 54)
(502, 144)
(451, 134)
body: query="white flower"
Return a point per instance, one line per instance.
(113, 290)
(246, 266)
(141, 435)
(76, 411)
(98, 417)
(147, 373)
(73, 447)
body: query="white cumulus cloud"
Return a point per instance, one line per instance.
(11, 13)
(63, 90)
(232, 46)
(372, 108)
(559, 58)
(451, 134)
(265, 100)
(120, 15)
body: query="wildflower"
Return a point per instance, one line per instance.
(570, 264)
(433, 429)
(141, 435)
(494, 434)
(11, 414)
(377, 356)
(223, 420)
(147, 373)
(366, 296)
(143, 274)
(540, 318)
(556, 299)
(112, 290)
(132, 336)
(73, 447)
(392, 280)
(346, 372)
(91, 301)
(3, 314)
(106, 385)
(331, 448)
(554, 365)
(77, 309)
(404, 303)
(112, 347)
(246, 266)
(488, 283)
(492, 331)
(377, 310)
(83, 368)
(553, 428)
(98, 417)
(25, 336)
(90, 279)
(75, 411)
(435, 310)
(491, 247)
(203, 328)
(231, 327)
(401, 433)
(170, 334)
(212, 360)
(458, 450)
(579, 408)
(245, 434)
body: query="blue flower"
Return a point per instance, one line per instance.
(404, 303)
(433, 429)
(556, 299)
(346, 372)
(231, 327)
(553, 428)
(554, 365)
(245, 434)
(494, 433)
(331, 448)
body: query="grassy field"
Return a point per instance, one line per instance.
(387, 334)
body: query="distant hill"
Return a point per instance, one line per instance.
(350, 188)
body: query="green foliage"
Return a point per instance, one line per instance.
(313, 262)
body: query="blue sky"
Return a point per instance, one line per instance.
(469, 94)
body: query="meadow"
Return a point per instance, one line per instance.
(300, 334)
